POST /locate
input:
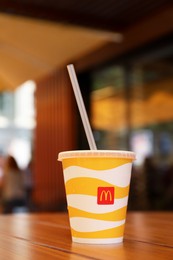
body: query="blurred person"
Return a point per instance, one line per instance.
(28, 182)
(153, 181)
(13, 192)
(1, 177)
(168, 188)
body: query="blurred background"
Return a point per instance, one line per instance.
(123, 55)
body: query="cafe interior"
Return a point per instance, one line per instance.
(122, 52)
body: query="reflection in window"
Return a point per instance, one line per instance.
(132, 108)
(109, 108)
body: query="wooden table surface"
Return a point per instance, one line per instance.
(47, 236)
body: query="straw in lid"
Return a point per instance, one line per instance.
(97, 153)
(81, 107)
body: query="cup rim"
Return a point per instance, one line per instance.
(97, 153)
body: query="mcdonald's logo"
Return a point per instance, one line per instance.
(105, 195)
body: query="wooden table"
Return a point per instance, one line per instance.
(47, 236)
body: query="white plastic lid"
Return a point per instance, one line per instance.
(97, 153)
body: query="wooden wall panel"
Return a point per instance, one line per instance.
(55, 131)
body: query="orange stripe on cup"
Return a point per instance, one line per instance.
(95, 163)
(89, 186)
(115, 215)
(108, 233)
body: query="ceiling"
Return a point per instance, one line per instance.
(31, 48)
(36, 36)
(109, 15)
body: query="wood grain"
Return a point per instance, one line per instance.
(47, 236)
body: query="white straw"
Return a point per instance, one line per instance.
(81, 107)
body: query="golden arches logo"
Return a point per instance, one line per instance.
(105, 195)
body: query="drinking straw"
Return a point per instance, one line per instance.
(81, 107)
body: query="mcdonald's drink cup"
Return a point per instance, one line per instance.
(97, 188)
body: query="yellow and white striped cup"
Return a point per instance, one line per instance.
(97, 187)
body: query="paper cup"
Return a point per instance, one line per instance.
(97, 187)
